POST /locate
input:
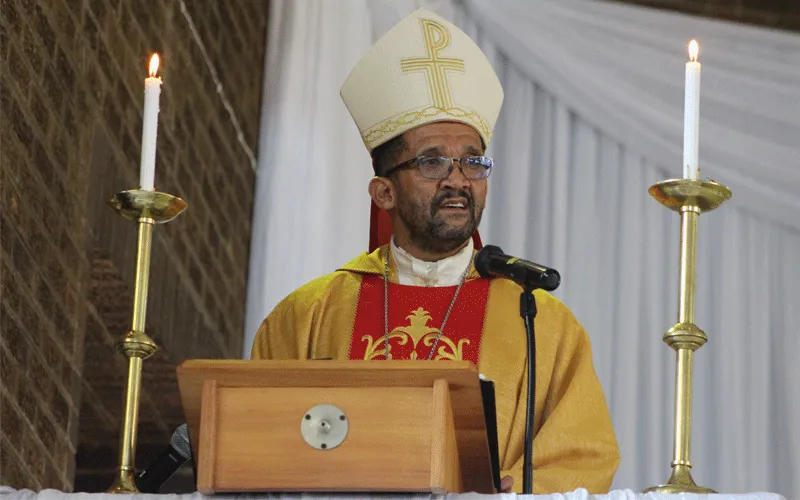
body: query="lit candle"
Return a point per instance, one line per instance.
(152, 92)
(691, 114)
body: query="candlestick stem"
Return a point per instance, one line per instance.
(688, 260)
(142, 274)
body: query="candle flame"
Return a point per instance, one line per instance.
(694, 49)
(154, 65)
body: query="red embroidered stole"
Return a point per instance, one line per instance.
(415, 316)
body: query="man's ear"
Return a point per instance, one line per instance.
(382, 191)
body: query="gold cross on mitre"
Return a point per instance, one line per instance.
(437, 38)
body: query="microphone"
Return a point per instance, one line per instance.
(162, 468)
(491, 262)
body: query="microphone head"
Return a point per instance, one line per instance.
(180, 441)
(483, 257)
(551, 280)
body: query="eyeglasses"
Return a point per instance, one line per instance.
(440, 167)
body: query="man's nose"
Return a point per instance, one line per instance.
(456, 179)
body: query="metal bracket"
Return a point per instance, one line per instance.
(324, 427)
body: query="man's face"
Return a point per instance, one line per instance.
(439, 215)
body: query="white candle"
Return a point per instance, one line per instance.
(691, 114)
(152, 92)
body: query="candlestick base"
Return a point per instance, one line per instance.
(135, 204)
(682, 194)
(680, 482)
(124, 483)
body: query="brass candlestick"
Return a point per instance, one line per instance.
(690, 198)
(147, 208)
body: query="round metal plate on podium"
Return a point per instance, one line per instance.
(324, 427)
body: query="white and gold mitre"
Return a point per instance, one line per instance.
(423, 70)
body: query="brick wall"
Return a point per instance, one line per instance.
(71, 88)
(778, 14)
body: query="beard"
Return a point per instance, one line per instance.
(430, 230)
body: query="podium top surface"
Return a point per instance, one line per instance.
(326, 373)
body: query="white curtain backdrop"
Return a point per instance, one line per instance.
(592, 118)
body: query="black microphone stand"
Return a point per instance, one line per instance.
(527, 309)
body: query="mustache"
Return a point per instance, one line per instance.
(448, 194)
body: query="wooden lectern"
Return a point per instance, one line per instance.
(399, 426)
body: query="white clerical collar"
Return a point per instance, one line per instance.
(445, 272)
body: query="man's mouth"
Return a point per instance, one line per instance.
(455, 204)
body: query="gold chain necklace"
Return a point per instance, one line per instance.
(386, 305)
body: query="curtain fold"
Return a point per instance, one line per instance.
(311, 193)
(592, 118)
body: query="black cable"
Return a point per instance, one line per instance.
(527, 310)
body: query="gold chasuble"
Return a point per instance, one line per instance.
(341, 316)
